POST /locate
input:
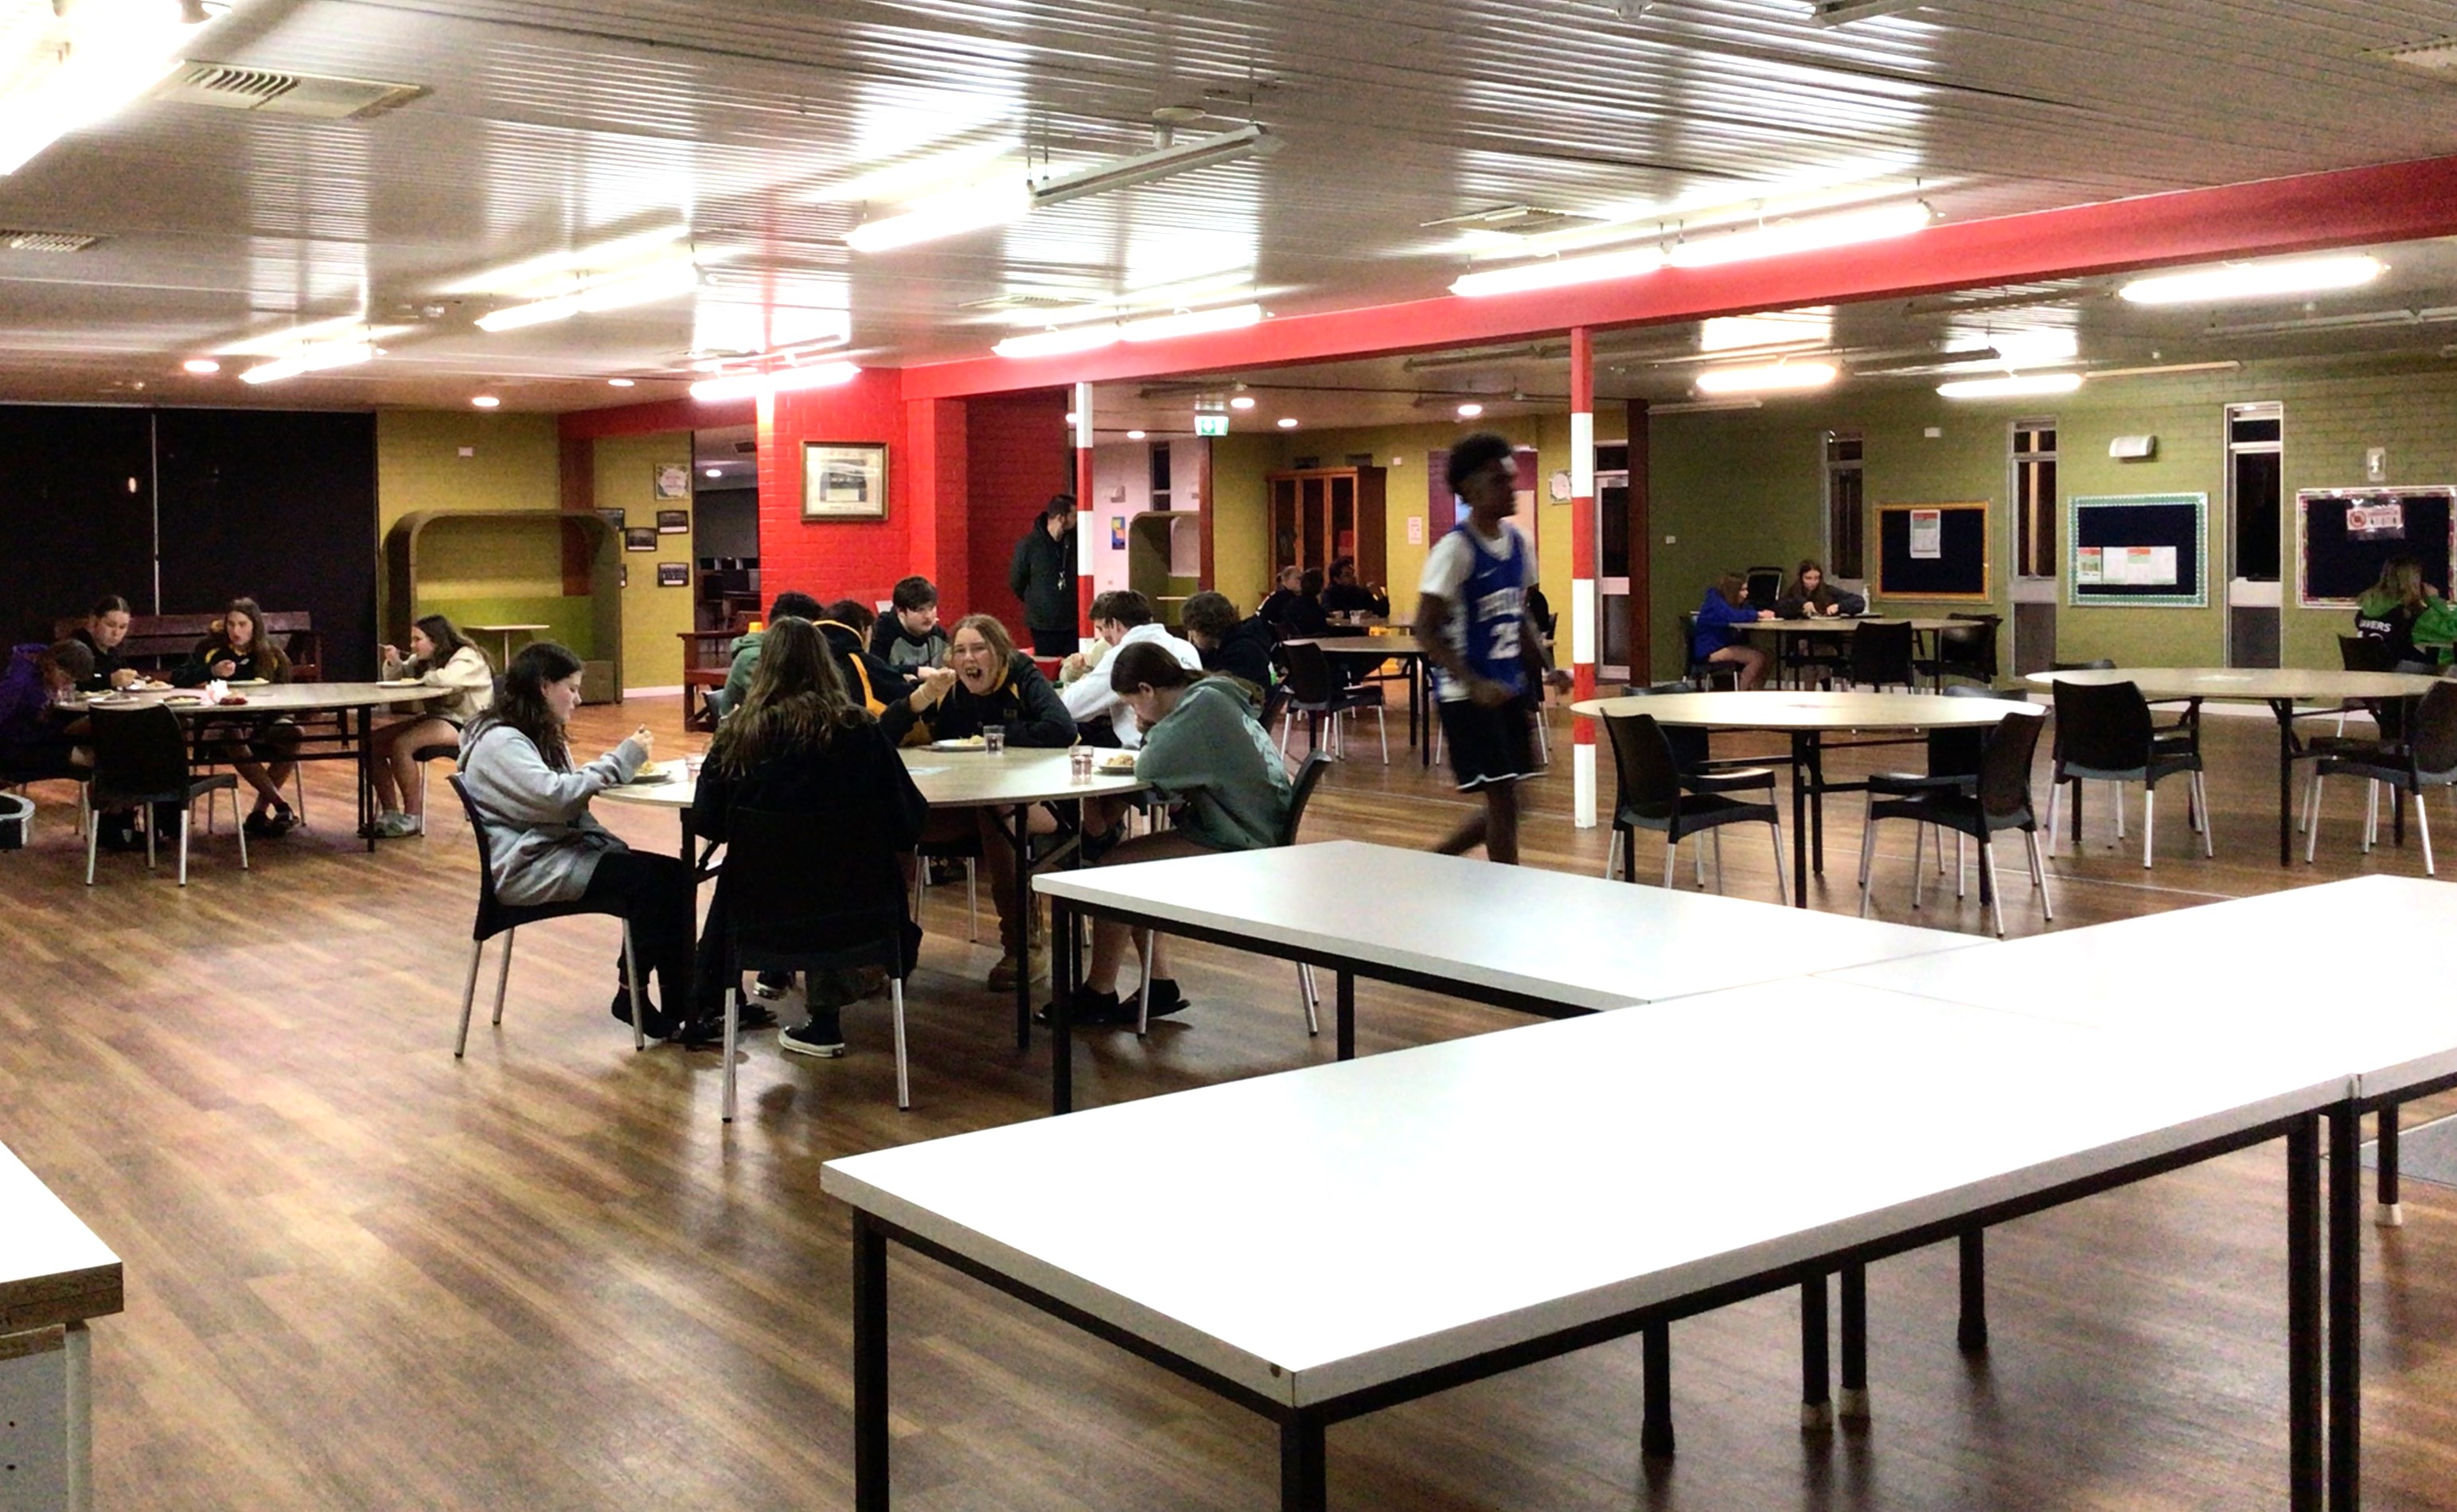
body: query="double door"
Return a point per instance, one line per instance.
(1321, 514)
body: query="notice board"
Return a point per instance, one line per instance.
(2138, 549)
(2345, 534)
(1933, 551)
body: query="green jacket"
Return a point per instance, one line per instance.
(746, 661)
(1210, 754)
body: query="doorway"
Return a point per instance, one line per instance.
(2255, 456)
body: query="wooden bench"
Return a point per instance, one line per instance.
(162, 641)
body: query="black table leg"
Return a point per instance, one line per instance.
(367, 779)
(2284, 710)
(2303, 1327)
(1019, 836)
(1853, 1401)
(1347, 991)
(1424, 695)
(1816, 1402)
(1801, 741)
(1816, 803)
(2345, 1324)
(1970, 1329)
(2392, 1214)
(870, 1440)
(1655, 1427)
(1304, 1472)
(1061, 1006)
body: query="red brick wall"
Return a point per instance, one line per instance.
(836, 558)
(1018, 452)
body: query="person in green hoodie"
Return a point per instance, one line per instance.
(746, 647)
(1204, 751)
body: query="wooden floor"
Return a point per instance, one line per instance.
(363, 1275)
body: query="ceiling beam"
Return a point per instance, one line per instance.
(2307, 213)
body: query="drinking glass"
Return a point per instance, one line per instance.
(994, 739)
(1080, 761)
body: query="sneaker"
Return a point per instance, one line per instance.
(1011, 968)
(708, 1033)
(396, 826)
(773, 984)
(822, 1038)
(280, 821)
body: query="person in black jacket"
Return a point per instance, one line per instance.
(105, 630)
(1043, 574)
(1239, 648)
(1278, 609)
(1346, 595)
(987, 681)
(800, 744)
(870, 682)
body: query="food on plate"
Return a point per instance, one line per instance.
(970, 742)
(1122, 761)
(649, 768)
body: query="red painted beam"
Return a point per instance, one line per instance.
(656, 415)
(2310, 212)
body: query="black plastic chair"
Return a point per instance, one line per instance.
(2427, 758)
(1766, 585)
(1995, 797)
(1702, 674)
(807, 892)
(140, 758)
(495, 917)
(1953, 763)
(2104, 733)
(1315, 693)
(1651, 798)
(1963, 649)
(1700, 772)
(1881, 653)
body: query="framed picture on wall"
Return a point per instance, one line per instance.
(672, 480)
(673, 574)
(613, 517)
(640, 538)
(673, 522)
(844, 480)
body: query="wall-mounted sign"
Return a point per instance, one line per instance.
(1211, 424)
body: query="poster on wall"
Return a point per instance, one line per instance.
(1117, 532)
(613, 517)
(2381, 521)
(672, 480)
(844, 480)
(1927, 535)
(673, 574)
(2139, 550)
(673, 522)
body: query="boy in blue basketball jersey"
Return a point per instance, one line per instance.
(1488, 658)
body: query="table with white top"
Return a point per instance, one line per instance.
(507, 631)
(2263, 970)
(56, 1276)
(1403, 650)
(1446, 1239)
(1008, 783)
(2283, 689)
(345, 702)
(1521, 938)
(1808, 717)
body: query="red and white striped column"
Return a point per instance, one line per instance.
(1582, 571)
(1083, 511)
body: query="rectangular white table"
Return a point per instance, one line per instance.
(55, 1276)
(2295, 972)
(1521, 938)
(1447, 1238)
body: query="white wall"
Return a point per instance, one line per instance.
(1122, 489)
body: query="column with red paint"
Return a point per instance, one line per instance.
(1582, 571)
(1084, 510)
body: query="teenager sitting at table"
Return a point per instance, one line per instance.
(38, 740)
(1202, 750)
(986, 681)
(1280, 603)
(1344, 594)
(800, 744)
(910, 636)
(2388, 609)
(869, 680)
(105, 630)
(744, 648)
(258, 750)
(464, 683)
(1240, 648)
(1812, 597)
(1121, 618)
(516, 764)
(1727, 604)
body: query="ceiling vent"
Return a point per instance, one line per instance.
(2437, 56)
(1029, 302)
(1517, 220)
(226, 87)
(46, 240)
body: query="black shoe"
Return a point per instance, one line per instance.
(120, 839)
(1095, 846)
(707, 1032)
(1165, 999)
(1090, 1008)
(652, 1024)
(281, 822)
(773, 984)
(822, 1038)
(259, 827)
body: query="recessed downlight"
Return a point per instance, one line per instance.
(485, 400)
(201, 366)
(1242, 402)
(1288, 422)
(714, 472)
(1470, 411)
(1134, 435)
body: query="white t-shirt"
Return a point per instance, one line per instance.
(1449, 566)
(1089, 697)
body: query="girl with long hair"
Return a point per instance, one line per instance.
(440, 657)
(1727, 604)
(259, 751)
(800, 744)
(2388, 609)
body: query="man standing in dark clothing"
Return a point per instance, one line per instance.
(1043, 574)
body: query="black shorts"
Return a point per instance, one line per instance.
(1490, 746)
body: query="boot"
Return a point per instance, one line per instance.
(1016, 959)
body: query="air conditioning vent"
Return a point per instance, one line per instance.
(1517, 220)
(1028, 302)
(2437, 56)
(45, 240)
(227, 87)
(746, 448)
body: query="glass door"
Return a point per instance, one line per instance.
(1613, 657)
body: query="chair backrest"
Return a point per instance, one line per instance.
(2434, 737)
(1643, 763)
(1765, 584)
(2104, 664)
(2005, 765)
(139, 755)
(1881, 652)
(805, 883)
(2104, 726)
(1689, 638)
(1309, 680)
(2364, 653)
(1690, 748)
(1308, 777)
(489, 911)
(1970, 643)
(1957, 751)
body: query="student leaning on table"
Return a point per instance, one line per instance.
(1121, 618)
(800, 745)
(1205, 751)
(986, 682)
(465, 684)
(516, 764)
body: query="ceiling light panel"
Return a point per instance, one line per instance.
(73, 66)
(2284, 279)
(1773, 377)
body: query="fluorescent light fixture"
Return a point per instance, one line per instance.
(1785, 237)
(899, 181)
(201, 366)
(281, 343)
(85, 61)
(1070, 416)
(2017, 385)
(1165, 162)
(1735, 333)
(2230, 365)
(1701, 406)
(1470, 411)
(1190, 322)
(668, 280)
(949, 212)
(485, 400)
(1288, 422)
(1558, 272)
(618, 383)
(2253, 280)
(1060, 341)
(1770, 378)
(1242, 402)
(313, 358)
(787, 380)
(1134, 435)
(554, 272)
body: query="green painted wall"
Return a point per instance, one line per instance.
(513, 465)
(652, 616)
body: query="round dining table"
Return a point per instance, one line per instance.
(1808, 717)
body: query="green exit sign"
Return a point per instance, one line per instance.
(1211, 424)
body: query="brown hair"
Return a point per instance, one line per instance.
(271, 664)
(988, 627)
(1734, 586)
(1122, 606)
(1149, 663)
(520, 702)
(1208, 612)
(1805, 568)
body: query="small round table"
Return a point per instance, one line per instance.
(507, 631)
(1807, 717)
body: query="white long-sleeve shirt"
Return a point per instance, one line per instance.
(1089, 696)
